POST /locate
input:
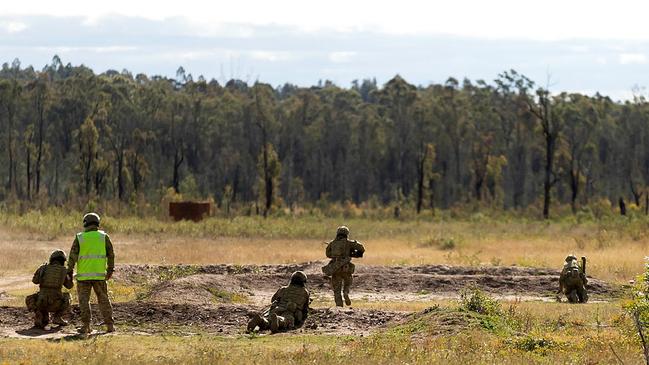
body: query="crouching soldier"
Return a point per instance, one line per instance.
(50, 278)
(572, 281)
(289, 308)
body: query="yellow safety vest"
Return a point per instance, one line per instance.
(92, 256)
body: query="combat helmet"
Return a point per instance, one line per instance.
(91, 219)
(342, 231)
(58, 255)
(298, 278)
(571, 257)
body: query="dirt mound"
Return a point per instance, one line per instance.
(228, 319)
(408, 279)
(199, 289)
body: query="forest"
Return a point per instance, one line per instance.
(69, 136)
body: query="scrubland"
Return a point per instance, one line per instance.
(438, 331)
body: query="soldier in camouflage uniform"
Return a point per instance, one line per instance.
(572, 281)
(50, 278)
(93, 251)
(289, 308)
(340, 267)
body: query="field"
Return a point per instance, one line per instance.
(182, 291)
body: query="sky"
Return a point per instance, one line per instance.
(583, 46)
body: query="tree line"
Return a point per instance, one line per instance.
(68, 134)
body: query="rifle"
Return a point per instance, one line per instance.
(583, 265)
(272, 305)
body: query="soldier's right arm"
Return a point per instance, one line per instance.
(358, 247)
(73, 257)
(68, 283)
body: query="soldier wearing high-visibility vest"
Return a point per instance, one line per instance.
(93, 254)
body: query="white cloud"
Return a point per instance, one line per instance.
(271, 56)
(519, 19)
(632, 58)
(341, 57)
(108, 49)
(13, 26)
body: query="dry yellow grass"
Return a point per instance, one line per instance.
(616, 260)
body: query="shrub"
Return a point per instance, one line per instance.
(638, 308)
(475, 300)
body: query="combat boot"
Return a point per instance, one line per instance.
(347, 300)
(110, 327)
(255, 320)
(40, 321)
(59, 321)
(84, 329)
(338, 299)
(274, 323)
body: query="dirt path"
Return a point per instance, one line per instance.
(15, 282)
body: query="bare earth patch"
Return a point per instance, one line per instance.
(186, 299)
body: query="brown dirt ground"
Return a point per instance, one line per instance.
(216, 299)
(435, 279)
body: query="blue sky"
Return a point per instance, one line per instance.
(584, 47)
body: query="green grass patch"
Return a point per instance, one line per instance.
(221, 296)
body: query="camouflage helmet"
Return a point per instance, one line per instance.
(342, 231)
(91, 219)
(58, 255)
(571, 257)
(298, 277)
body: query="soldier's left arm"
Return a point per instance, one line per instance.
(278, 294)
(36, 279)
(305, 308)
(110, 256)
(328, 250)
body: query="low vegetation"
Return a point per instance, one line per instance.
(440, 331)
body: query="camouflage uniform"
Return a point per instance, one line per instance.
(289, 308)
(340, 267)
(50, 279)
(572, 281)
(85, 287)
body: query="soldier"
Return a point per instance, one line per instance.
(340, 267)
(93, 251)
(572, 281)
(289, 308)
(50, 279)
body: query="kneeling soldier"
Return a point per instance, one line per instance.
(50, 279)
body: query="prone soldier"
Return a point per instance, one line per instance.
(289, 308)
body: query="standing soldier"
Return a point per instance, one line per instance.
(572, 281)
(93, 252)
(340, 267)
(50, 279)
(289, 308)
